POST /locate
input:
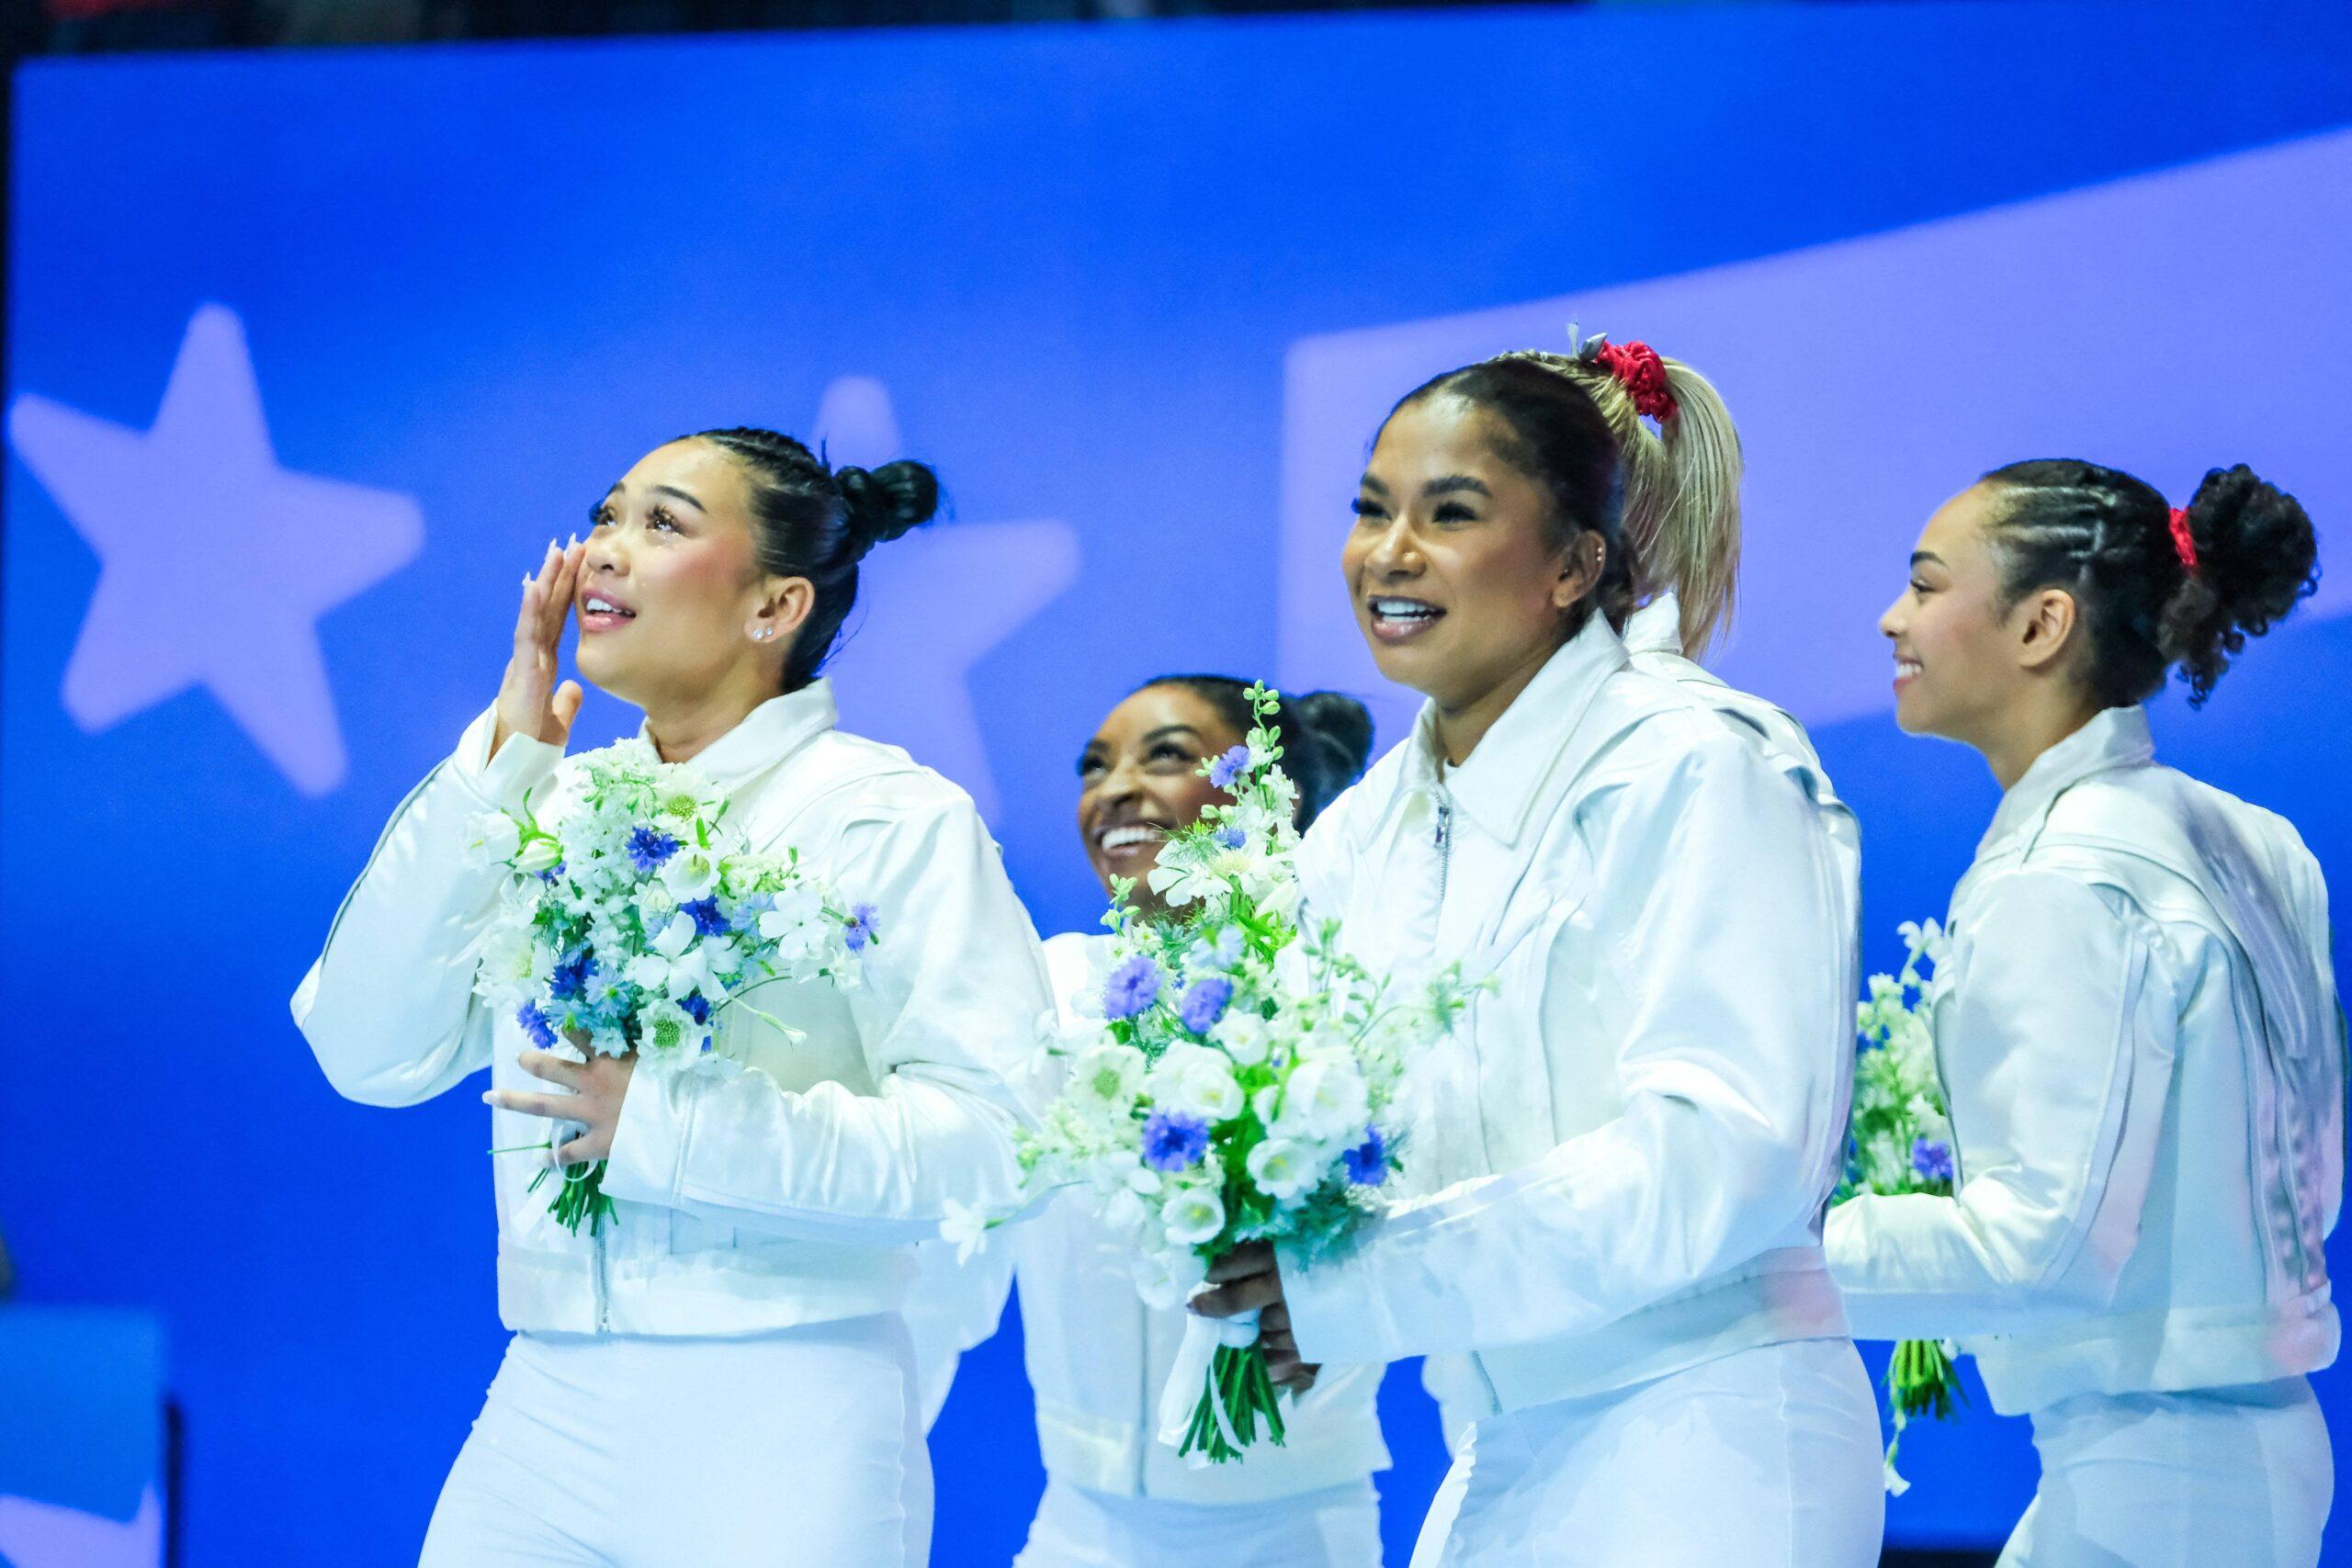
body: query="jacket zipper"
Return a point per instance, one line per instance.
(1443, 842)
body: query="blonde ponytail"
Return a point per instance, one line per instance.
(1681, 483)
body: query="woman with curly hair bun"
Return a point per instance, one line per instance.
(2136, 1025)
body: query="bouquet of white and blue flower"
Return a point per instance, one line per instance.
(1244, 1084)
(1899, 1142)
(636, 920)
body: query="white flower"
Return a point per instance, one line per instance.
(967, 1227)
(540, 854)
(664, 1027)
(1323, 1099)
(1197, 1080)
(691, 873)
(1193, 1216)
(496, 838)
(675, 937)
(1281, 1169)
(1243, 1036)
(1167, 1279)
(1125, 1211)
(1104, 1080)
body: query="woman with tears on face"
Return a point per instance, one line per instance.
(720, 1373)
(2136, 1025)
(1618, 1187)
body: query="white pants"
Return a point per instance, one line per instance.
(2242, 1476)
(1337, 1528)
(1768, 1458)
(800, 1449)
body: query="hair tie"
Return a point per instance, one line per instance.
(2183, 544)
(1641, 373)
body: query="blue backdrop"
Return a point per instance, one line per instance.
(311, 353)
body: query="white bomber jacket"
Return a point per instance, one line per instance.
(2138, 1034)
(1632, 1136)
(783, 1194)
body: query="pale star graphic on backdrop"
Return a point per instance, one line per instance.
(932, 604)
(215, 563)
(47, 1535)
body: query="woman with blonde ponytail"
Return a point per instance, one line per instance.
(1679, 468)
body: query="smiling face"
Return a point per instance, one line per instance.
(1965, 659)
(673, 604)
(1139, 780)
(1461, 578)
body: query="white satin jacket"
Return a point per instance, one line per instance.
(1632, 1136)
(787, 1192)
(2137, 1029)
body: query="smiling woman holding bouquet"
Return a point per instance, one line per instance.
(712, 1367)
(2136, 1028)
(1098, 1356)
(1618, 1183)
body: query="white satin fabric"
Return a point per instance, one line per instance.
(2237, 1475)
(2138, 1034)
(1337, 1526)
(1767, 1458)
(1630, 1137)
(799, 1449)
(788, 1192)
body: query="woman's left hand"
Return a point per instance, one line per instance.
(1249, 1277)
(598, 1086)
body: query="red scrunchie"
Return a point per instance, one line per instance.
(1641, 373)
(2183, 544)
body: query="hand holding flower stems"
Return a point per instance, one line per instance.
(597, 1087)
(1247, 1280)
(530, 701)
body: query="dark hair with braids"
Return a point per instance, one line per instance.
(1325, 737)
(2106, 538)
(1550, 429)
(812, 522)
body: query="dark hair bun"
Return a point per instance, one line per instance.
(2257, 557)
(1339, 729)
(886, 502)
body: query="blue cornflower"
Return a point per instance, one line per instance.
(861, 927)
(1230, 837)
(705, 914)
(536, 1025)
(1931, 1157)
(1133, 987)
(1171, 1141)
(570, 981)
(695, 1006)
(1203, 1002)
(647, 848)
(1367, 1163)
(1227, 771)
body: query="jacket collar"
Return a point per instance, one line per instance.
(769, 733)
(1657, 626)
(1497, 786)
(2115, 737)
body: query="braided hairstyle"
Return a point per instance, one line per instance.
(2108, 540)
(1325, 737)
(1550, 430)
(1681, 480)
(812, 522)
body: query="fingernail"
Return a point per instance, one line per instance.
(490, 1097)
